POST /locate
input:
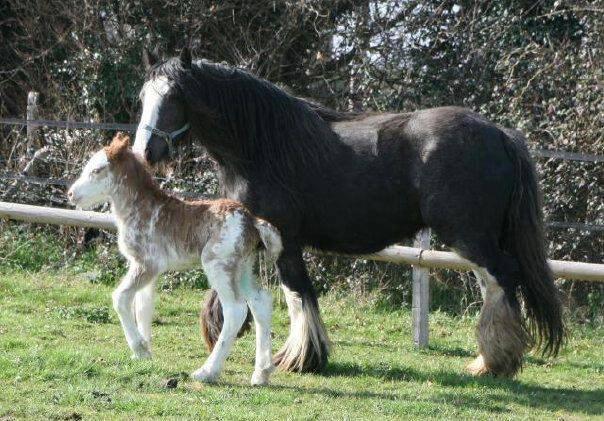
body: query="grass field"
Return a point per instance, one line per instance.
(63, 356)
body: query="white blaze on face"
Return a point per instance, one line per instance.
(151, 96)
(94, 184)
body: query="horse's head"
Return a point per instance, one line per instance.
(95, 184)
(163, 121)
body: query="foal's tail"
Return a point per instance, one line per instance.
(210, 318)
(524, 238)
(270, 238)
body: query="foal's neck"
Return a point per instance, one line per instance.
(136, 195)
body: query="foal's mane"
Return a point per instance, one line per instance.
(281, 135)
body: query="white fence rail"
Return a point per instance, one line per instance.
(421, 258)
(396, 254)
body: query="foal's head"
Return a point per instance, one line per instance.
(107, 169)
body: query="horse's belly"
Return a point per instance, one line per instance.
(362, 232)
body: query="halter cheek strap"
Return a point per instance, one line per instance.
(169, 137)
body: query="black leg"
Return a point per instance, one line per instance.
(307, 346)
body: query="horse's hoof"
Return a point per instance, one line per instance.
(478, 367)
(261, 377)
(204, 375)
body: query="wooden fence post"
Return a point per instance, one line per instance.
(421, 294)
(32, 114)
(31, 167)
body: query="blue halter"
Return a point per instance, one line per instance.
(169, 137)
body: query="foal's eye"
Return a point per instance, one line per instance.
(96, 170)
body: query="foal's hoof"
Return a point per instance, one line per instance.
(145, 355)
(261, 377)
(141, 352)
(478, 367)
(204, 375)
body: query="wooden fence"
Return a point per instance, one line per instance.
(420, 256)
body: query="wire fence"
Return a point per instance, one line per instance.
(63, 182)
(540, 153)
(68, 124)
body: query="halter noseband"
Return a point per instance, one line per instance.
(168, 137)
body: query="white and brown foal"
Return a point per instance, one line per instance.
(158, 233)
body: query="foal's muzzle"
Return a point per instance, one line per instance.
(73, 198)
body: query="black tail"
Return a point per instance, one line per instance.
(525, 239)
(211, 320)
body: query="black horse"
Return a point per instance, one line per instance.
(356, 183)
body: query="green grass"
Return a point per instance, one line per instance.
(63, 356)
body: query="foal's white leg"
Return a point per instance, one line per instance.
(123, 297)
(234, 310)
(261, 304)
(143, 309)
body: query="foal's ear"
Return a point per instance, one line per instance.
(149, 59)
(185, 58)
(119, 144)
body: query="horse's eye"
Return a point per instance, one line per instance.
(96, 170)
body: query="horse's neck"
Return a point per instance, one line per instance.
(240, 161)
(233, 183)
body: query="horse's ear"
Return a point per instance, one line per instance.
(185, 58)
(119, 144)
(149, 59)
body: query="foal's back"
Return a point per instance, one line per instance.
(184, 229)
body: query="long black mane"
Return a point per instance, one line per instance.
(289, 135)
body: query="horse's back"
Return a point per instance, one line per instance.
(442, 167)
(466, 174)
(368, 199)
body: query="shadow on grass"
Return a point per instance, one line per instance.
(448, 351)
(323, 391)
(333, 393)
(465, 353)
(365, 344)
(589, 402)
